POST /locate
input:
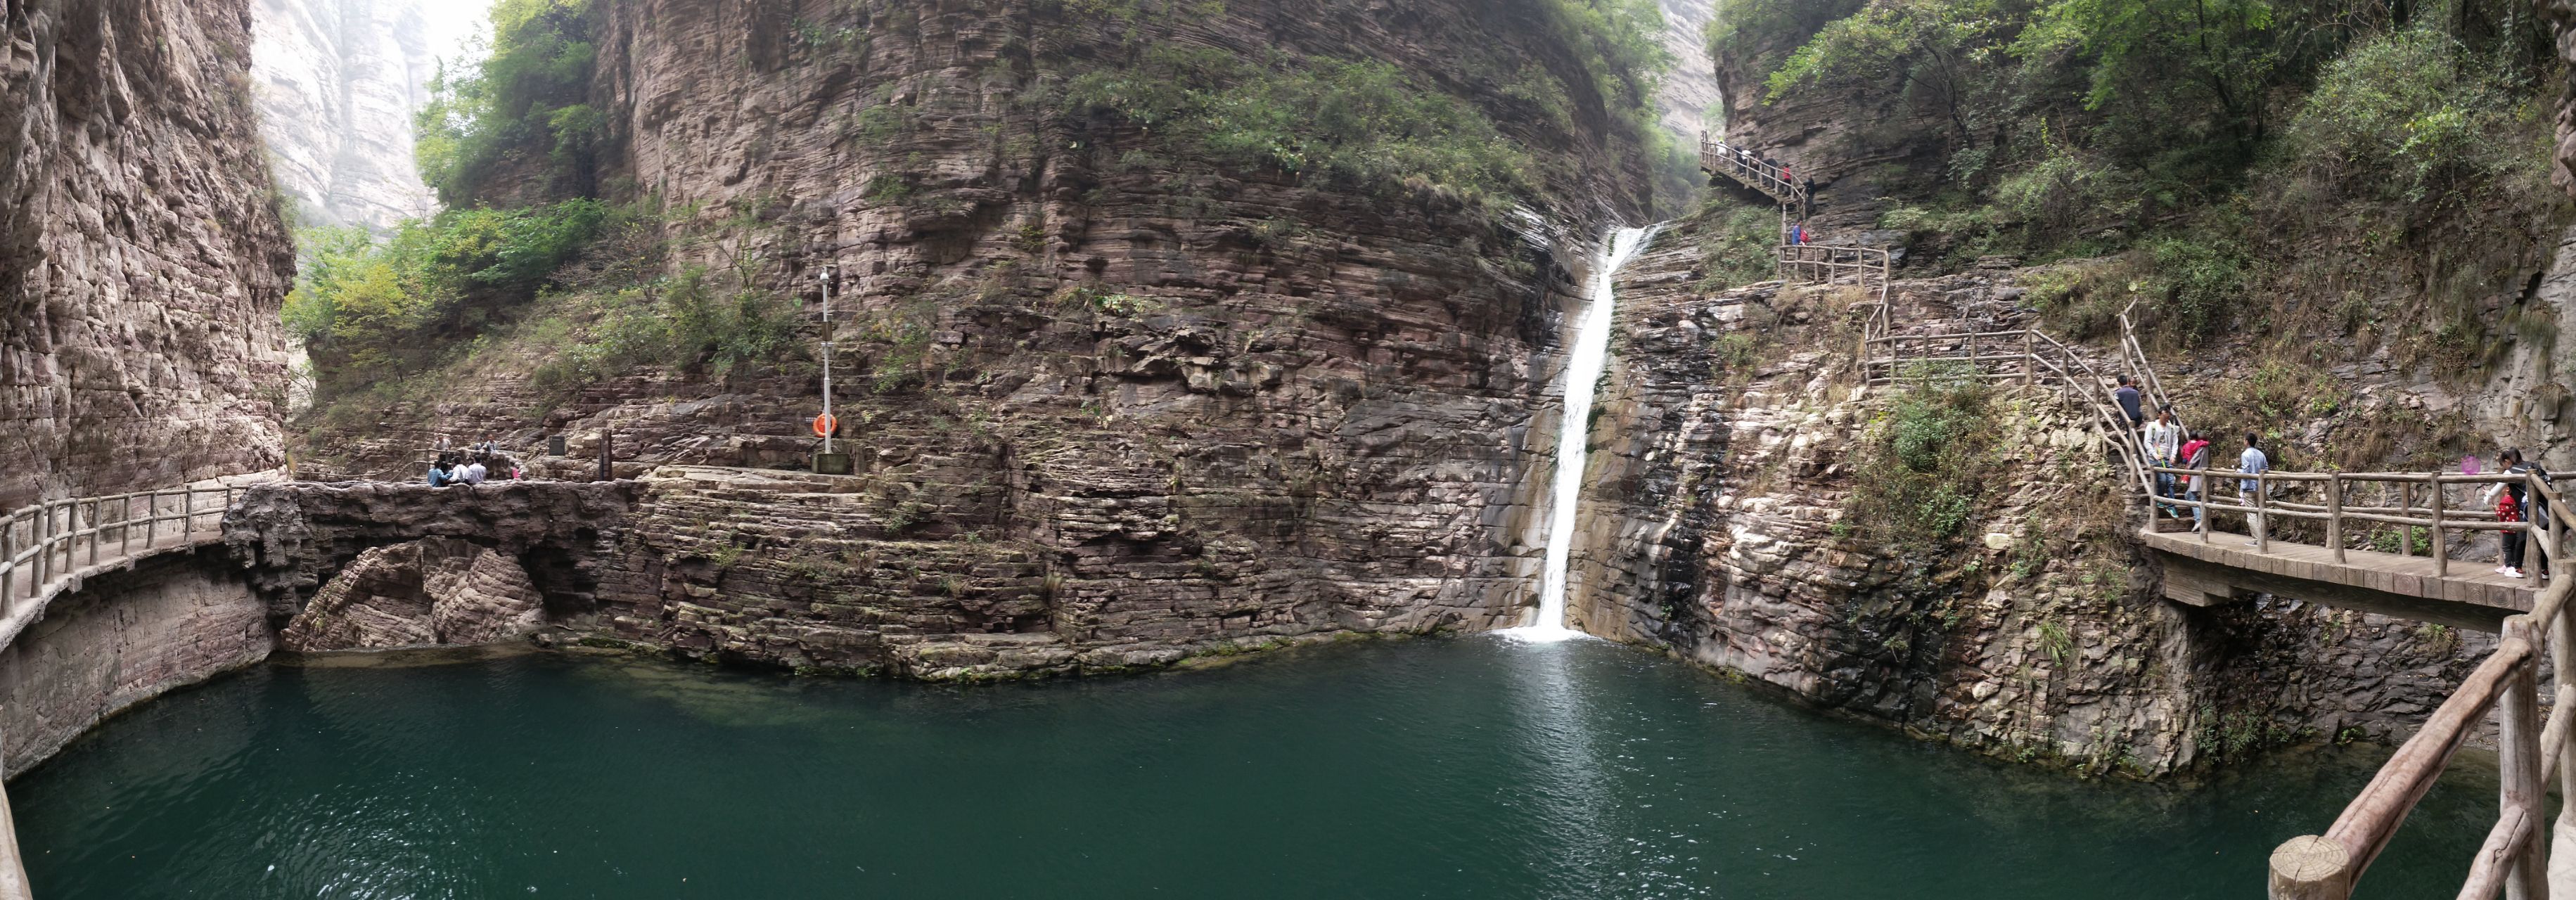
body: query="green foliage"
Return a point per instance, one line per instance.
(369, 309)
(687, 323)
(1740, 246)
(1922, 463)
(2198, 281)
(1363, 123)
(523, 102)
(2401, 117)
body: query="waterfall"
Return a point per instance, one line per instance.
(1582, 372)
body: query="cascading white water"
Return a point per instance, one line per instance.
(1582, 372)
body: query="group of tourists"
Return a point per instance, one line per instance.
(2169, 445)
(473, 465)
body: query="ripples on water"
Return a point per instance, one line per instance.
(1470, 767)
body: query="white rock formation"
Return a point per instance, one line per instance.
(338, 81)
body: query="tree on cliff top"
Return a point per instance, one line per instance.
(520, 112)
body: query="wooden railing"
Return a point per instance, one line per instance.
(2025, 355)
(2357, 504)
(1722, 158)
(2529, 751)
(48, 543)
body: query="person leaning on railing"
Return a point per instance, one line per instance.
(2252, 462)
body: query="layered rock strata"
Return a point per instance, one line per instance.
(142, 256)
(434, 591)
(121, 639)
(1724, 527)
(1216, 403)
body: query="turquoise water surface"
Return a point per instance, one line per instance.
(1455, 767)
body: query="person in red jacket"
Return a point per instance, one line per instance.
(2195, 456)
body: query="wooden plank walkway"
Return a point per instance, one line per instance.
(2225, 568)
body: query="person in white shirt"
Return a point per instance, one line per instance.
(474, 472)
(2164, 443)
(2252, 462)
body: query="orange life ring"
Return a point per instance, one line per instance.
(824, 425)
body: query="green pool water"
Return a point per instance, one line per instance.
(1458, 767)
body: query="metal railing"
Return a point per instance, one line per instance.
(2529, 751)
(1774, 181)
(47, 543)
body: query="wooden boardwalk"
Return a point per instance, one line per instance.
(2225, 569)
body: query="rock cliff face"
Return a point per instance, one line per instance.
(338, 81)
(142, 258)
(1689, 100)
(1119, 402)
(1724, 528)
(431, 591)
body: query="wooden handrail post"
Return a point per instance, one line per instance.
(94, 532)
(2334, 515)
(2262, 533)
(2441, 548)
(2406, 510)
(44, 549)
(2518, 761)
(2029, 360)
(2562, 666)
(187, 514)
(2310, 868)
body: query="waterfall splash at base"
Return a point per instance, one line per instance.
(1583, 368)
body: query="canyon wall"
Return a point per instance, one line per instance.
(337, 83)
(142, 256)
(1729, 525)
(1102, 396)
(121, 639)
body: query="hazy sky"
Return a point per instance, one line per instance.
(454, 22)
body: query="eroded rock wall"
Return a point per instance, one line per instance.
(1726, 525)
(433, 591)
(142, 257)
(1214, 404)
(123, 638)
(338, 81)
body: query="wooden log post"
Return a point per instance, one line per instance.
(2441, 547)
(9, 560)
(2029, 360)
(187, 514)
(2334, 515)
(2310, 868)
(44, 549)
(95, 532)
(151, 519)
(2562, 668)
(2406, 509)
(2518, 762)
(2262, 525)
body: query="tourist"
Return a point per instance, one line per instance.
(2127, 394)
(2508, 497)
(437, 473)
(2535, 506)
(474, 472)
(2195, 456)
(2164, 445)
(2252, 462)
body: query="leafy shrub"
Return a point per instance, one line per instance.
(1362, 122)
(369, 309)
(524, 101)
(2400, 117)
(688, 323)
(1922, 463)
(2199, 280)
(1742, 245)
